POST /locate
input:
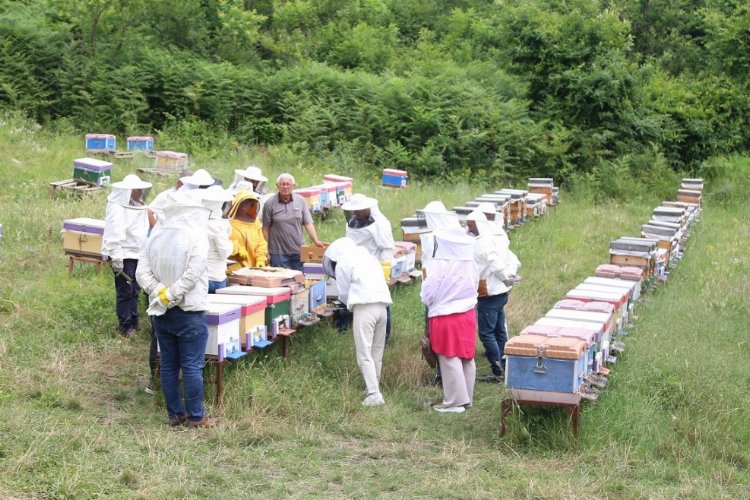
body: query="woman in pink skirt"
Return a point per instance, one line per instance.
(450, 293)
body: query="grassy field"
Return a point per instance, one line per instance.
(75, 422)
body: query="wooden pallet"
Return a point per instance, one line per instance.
(77, 187)
(115, 155)
(160, 171)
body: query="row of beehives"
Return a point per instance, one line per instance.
(240, 317)
(93, 170)
(563, 357)
(514, 206)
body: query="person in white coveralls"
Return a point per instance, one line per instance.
(362, 288)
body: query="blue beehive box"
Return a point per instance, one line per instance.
(100, 143)
(556, 364)
(325, 200)
(394, 178)
(140, 143)
(317, 295)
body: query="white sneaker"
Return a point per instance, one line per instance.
(375, 399)
(449, 409)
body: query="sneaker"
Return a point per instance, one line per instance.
(204, 422)
(150, 388)
(492, 379)
(448, 409)
(375, 399)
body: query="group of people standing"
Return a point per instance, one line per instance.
(176, 250)
(467, 278)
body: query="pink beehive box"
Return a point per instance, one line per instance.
(574, 305)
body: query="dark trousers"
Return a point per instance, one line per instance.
(126, 295)
(291, 261)
(387, 323)
(492, 332)
(182, 336)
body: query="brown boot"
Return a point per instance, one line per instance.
(204, 422)
(178, 421)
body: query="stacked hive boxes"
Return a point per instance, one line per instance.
(224, 331)
(252, 327)
(513, 208)
(548, 363)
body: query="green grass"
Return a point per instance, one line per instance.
(75, 422)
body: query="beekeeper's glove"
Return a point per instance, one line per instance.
(117, 265)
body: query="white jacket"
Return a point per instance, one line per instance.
(160, 203)
(452, 278)
(219, 248)
(493, 257)
(175, 256)
(359, 275)
(125, 227)
(437, 218)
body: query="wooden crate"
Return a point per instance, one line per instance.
(76, 187)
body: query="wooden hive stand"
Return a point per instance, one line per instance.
(86, 259)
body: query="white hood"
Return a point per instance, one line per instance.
(335, 252)
(453, 244)
(438, 217)
(487, 227)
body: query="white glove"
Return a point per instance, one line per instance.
(512, 280)
(164, 295)
(155, 306)
(117, 265)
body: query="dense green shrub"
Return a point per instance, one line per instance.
(582, 90)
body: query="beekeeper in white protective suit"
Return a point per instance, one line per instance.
(126, 227)
(368, 227)
(201, 179)
(491, 214)
(437, 217)
(251, 174)
(251, 179)
(219, 229)
(497, 266)
(362, 288)
(164, 198)
(173, 272)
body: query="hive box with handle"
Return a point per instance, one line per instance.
(224, 331)
(140, 143)
(83, 236)
(93, 171)
(252, 317)
(556, 364)
(584, 334)
(395, 178)
(277, 304)
(602, 337)
(100, 143)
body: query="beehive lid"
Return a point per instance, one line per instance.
(548, 347)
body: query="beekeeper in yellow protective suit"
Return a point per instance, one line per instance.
(249, 246)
